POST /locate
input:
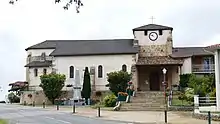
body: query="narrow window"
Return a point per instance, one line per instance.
(145, 33)
(100, 71)
(35, 72)
(71, 72)
(160, 32)
(124, 68)
(45, 71)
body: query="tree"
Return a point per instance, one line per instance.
(184, 80)
(78, 3)
(13, 98)
(86, 91)
(52, 85)
(202, 85)
(118, 81)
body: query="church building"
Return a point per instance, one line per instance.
(145, 56)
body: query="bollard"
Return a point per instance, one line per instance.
(74, 108)
(33, 103)
(99, 112)
(57, 107)
(209, 117)
(25, 103)
(43, 104)
(165, 116)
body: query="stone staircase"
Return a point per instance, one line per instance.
(145, 101)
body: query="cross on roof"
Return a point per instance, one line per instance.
(152, 19)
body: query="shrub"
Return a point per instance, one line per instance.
(202, 85)
(213, 93)
(118, 81)
(189, 93)
(110, 100)
(13, 98)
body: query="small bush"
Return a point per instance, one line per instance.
(110, 100)
(189, 93)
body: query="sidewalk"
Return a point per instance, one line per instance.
(134, 116)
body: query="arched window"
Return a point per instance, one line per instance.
(45, 71)
(71, 72)
(100, 71)
(124, 68)
(35, 72)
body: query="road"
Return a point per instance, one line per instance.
(17, 114)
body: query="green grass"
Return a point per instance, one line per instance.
(177, 102)
(3, 121)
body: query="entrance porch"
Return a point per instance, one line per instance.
(147, 73)
(150, 77)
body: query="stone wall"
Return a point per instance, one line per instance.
(38, 97)
(157, 50)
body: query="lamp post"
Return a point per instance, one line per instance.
(165, 98)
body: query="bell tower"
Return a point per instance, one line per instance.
(154, 40)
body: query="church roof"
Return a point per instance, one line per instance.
(152, 27)
(189, 51)
(87, 47)
(39, 64)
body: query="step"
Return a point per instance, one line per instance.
(141, 104)
(146, 101)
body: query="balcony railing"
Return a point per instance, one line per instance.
(203, 68)
(40, 58)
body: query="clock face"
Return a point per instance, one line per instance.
(153, 36)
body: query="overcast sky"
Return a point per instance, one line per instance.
(195, 23)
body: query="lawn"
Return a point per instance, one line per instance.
(3, 121)
(177, 102)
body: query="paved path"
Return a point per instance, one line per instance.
(17, 114)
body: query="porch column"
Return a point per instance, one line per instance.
(217, 77)
(134, 76)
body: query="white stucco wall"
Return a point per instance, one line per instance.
(34, 82)
(187, 66)
(110, 63)
(38, 52)
(144, 40)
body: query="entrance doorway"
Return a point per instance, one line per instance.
(154, 81)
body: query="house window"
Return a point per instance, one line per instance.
(100, 71)
(71, 72)
(160, 32)
(124, 68)
(35, 72)
(145, 33)
(45, 71)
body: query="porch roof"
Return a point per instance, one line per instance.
(159, 60)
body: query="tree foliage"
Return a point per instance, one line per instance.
(118, 81)
(68, 3)
(13, 98)
(86, 91)
(202, 85)
(52, 85)
(184, 80)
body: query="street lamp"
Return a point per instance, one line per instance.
(165, 99)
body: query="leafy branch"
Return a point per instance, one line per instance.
(78, 3)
